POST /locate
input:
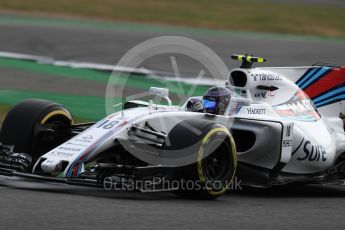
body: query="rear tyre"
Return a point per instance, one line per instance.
(35, 126)
(216, 162)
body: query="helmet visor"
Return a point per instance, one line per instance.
(209, 105)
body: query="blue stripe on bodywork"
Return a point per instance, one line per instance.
(91, 151)
(329, 94)
(314, 77)
(333, 99)
(300, 81)
(70, 170)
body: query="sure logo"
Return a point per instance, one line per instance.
(313, 152)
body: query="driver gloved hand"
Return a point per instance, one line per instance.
(195, 105)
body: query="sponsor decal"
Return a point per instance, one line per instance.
(88, 137)
(287, 143)
(264, 94)
(299, 108)
(76, 144)
(313, 152)
(234, 110)
(61, 154)
(256, 111)
(266, 77)
(69, 149)
(288, 131)
(83, 139)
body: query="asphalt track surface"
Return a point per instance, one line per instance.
(31, 205)
(28, 205)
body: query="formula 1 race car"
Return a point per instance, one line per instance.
(266, 126)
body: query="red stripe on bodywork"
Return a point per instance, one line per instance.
(75, 170)
(88, 150)
(334, 78)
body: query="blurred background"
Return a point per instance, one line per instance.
(311, 17)
(42, 40)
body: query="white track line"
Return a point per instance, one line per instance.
(104, 67)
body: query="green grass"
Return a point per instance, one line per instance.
(250, 15)
(81, 106)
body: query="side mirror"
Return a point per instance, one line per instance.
(161, 92)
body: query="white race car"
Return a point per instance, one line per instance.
(266, 126)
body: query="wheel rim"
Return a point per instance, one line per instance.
(216, 164)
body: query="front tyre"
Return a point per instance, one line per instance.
(215, 166)
(35, 126)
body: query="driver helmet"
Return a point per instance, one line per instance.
(216, 100)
